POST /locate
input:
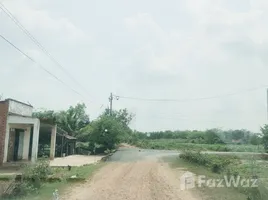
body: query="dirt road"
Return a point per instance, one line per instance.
(147, 179)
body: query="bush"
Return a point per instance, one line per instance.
(214, 162)
(38, 171)
(31, 179)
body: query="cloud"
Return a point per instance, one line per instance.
(43, 22)
(181, 50)
(222, 51)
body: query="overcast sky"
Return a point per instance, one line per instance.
(174, 49)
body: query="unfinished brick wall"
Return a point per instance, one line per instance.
(3, 122)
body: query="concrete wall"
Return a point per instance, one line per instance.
(19, 108)
(3, 127)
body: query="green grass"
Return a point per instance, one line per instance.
(4, 177)
(177, 144)
(245, 170)
(47, 189)
(204, 192)
(83, 172)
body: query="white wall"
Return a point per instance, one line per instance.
(17, 121)
(19, 108)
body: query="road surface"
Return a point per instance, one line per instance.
(133, 175)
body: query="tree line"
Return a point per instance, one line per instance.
(97, 136)
(110, 129)
(210, 136)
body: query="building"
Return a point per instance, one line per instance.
(19, 133)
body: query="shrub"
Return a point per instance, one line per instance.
(31, 179)
(214, 162)
(38, 171)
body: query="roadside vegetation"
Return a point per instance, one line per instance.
(40, 181)
(100, 136)
(104, 134)
(209, 140)
(229, 166)
(177, 144)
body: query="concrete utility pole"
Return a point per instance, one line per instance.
(111, 98)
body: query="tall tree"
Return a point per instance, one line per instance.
(105, 133)
(123, 116)
(73, 119)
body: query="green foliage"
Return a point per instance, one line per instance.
(74, 119)
(210, 136)
(122, 116)
(178, 144)
(32, 177)
(38, 171)
(71, 120)
(105, 134)
(264, 131)
(214, 162)
(255, 140)
(49, 116)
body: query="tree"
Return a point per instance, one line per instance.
(264, 131)
(73, 119)
(124, 118)
(237, 134)
(50, 116)
(105, 133)
(212, 137)
(122, 115)
(255, 139)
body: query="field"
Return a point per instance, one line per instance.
(248, 168)
(178, 144)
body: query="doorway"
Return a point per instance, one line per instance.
(15, 146)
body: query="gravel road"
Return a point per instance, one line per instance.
(134, 175)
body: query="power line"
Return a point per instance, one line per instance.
(192, 99)
(39, 65)
(41, 47)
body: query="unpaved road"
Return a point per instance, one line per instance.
(142, 178)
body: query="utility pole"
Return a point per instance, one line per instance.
(111, 98)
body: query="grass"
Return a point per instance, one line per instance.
(205, 192)
(83, 172)
(177, 144)
(47, 189)
(4, 177)
(245, 170)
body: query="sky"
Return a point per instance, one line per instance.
(174, 49)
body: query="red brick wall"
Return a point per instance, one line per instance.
(3, 122)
